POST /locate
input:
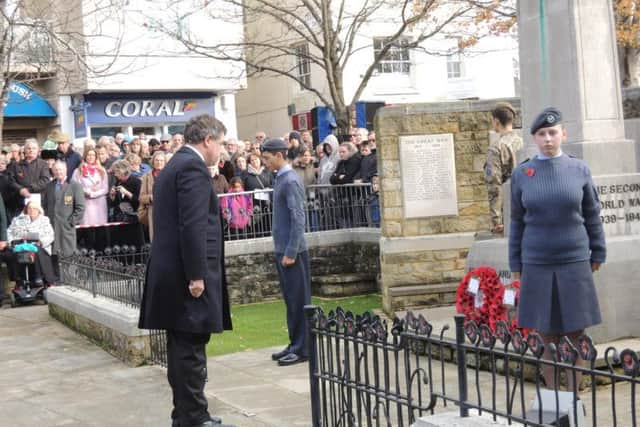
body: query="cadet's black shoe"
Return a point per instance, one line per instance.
(291, 359)
(280, 354)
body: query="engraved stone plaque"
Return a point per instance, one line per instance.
(619, 203)
(428, 169)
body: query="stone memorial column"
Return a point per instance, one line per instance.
(568, 59)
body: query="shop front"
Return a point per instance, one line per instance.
(152, 114)
(27, 114)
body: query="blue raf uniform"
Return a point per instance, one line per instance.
(555, 236)
(289, 240)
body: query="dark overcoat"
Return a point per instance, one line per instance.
(187, 245)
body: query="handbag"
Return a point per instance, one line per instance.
(143, 214)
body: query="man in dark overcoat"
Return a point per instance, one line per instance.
(185, 290)
(27, 176)
(64, 204)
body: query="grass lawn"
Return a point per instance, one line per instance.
(265, 325)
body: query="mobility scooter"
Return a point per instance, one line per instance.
(28, 288)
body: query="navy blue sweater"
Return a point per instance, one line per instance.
(555, 214)
(288, 213)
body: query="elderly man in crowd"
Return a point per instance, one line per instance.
(64, 204)
(260, 137)
(27, 176)
(65, 151)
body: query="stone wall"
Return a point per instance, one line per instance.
(343, 262)
(423, 259)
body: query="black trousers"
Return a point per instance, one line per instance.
(187, 374)
(295, 285)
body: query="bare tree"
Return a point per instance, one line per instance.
(275, 30)
(47, 40)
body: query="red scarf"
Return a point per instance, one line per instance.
(88, 169)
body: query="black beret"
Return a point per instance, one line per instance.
(274, 144)
(549, 117)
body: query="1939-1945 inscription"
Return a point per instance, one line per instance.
(619, 203)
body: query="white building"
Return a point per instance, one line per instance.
(152, 84)
(488, 70)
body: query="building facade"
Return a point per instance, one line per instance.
(152, 84)
(487, 70)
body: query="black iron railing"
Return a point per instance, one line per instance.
(364, 374)
(248, 214)
(118, 273)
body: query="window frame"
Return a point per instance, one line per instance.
(455, 69)
(398, 58)
(302, 65)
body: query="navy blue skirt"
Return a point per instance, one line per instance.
(558, 298)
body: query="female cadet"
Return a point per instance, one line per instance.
(556, 239)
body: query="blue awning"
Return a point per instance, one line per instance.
(26, 102)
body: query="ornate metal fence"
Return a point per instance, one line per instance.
(247, 215)
(118, 274)
(364, 374)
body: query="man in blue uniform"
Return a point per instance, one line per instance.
(292, 258)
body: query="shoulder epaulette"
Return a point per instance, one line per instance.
(525, 161)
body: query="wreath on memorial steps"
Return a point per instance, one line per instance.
(480, 297)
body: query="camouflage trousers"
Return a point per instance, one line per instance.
(495, 203)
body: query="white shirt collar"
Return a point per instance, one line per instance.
(543, 157)
(196, 151)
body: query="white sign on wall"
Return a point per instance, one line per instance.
(428, 169)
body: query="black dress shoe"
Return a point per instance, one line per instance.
(291, 359)
(211, 423)
(280, 354)
(217, 422)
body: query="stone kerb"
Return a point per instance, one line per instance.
(422, 258)
(111, 324)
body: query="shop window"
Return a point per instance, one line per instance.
(173, 129)
(148, 131)
(97, 132)
(17, 136)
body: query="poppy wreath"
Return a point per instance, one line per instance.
(513, 326)
(492, 308)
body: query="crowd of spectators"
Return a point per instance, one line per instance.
(110, 181)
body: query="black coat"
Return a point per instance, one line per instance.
(251, 181)
(116, 214)
(368, 168)
(187, 245)
(346, 170)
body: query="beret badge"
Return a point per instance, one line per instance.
(551, 118)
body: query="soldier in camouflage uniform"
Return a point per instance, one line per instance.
(501, 160)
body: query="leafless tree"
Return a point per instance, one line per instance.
(47, 40)
(330, 28)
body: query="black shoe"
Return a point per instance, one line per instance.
(279, 355)
(211, 423)
(217, 421)
(291, 359)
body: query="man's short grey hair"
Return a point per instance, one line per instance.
(198, 128)
(31, 141)
(121, 167)
(60, 164)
